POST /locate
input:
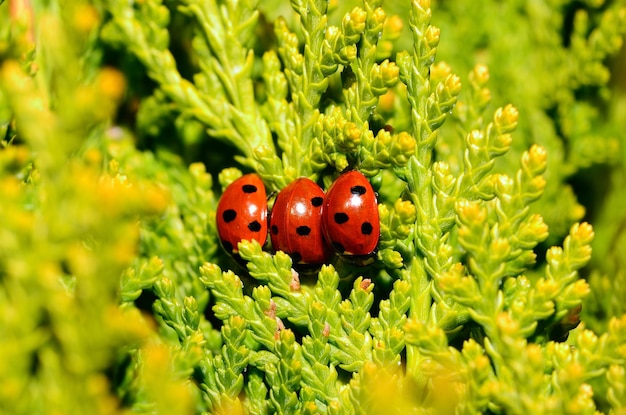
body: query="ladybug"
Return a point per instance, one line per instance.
(296, 223)
(350, 218)
(242, 212)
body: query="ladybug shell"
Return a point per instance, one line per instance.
(242, 212)
(350, 217)
(296, 223)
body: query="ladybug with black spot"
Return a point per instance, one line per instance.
(296, 224)
(350, 219)
(242, 213)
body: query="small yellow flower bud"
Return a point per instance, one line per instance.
(583, 232)
(379, 16)
(354, 24)
(500, 248)
(85, 18)
(406, 210)
(554, 254)
(484, 97)
(480, 75)
(393, 27)
(331, 32)
(439, 71)
(422, 4)
(386, 101)
(442, 174)
(383, 139)
(352, 135)
(616, 372)
(453, 84)
(548, 288)
(581, 289)
(471, 212)
(506, 118)
(197, 169)
(537, 227)
(348, 53)
(502, 143)
(475, 140)
(432, 36)
(389, 72)
(504, 186)
(535, 159)
(535, 354)
(587, 340)
(190, 303)
(506, 324)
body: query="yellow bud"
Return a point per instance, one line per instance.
(85, 18)
(504, 186)
(500, 248)
(349, 53)
(331, 32)
(432, 36)
(475, 140)
(93, 156)
(484, 97)
(588, 340)
(442, 175)
(383, 139)
(537, 226)
(616, 372)
(583, 232)
(506, 324)
(480, 74)
(386, 101)
(581, 289)
(389, 72)
(405, 143)
(537, 184)
(535, 159)
(405, 209)
(439, 71)
(535, 354)
(506, 118)
(555, 253)
(423, 4)
(354, 22)
(111, 83)
(379, 15)
(453, 84)
(352, 133)
(471, 211)
(197, 169)
(393, 26)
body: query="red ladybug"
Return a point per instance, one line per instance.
(296, 223)
(350, 218)
(242, 212)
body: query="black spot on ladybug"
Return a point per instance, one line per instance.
(338, 247)
(254, 226)
(296, 256)
(366, 228)
(358, 190)
(317, 201)
(274, 230)
(248, 188)
(229, 215)
(341, 218)
(303, 230)
(227, 246)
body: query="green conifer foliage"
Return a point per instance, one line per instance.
(493, 134)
